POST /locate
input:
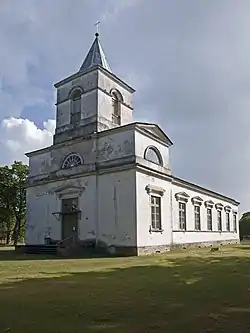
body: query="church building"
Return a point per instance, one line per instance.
(107, 180)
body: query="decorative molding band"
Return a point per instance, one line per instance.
(70, 190)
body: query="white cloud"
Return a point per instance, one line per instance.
(19, 136)
(115, 8)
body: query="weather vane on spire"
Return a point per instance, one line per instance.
(97, 28)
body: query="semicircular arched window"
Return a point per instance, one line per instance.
(116, 100)
(153, 155)
(75, 115)
(72, 161)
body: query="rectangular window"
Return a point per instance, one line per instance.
(219, 220)
(182, 215)
(235, 222)
(156, 213)
(197, 217)
(228, 221)
(209, 219)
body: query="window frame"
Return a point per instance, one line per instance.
(197, 217)
(155, 192)
(228, 229)
(182, 215)
(228, 219)
(182, 198)
(209, 204)
(219, 208)
(75, 114)
(235, 222)
(209, 219)
(219, 220)
(197, 202)
(70, 156)
(156, 152)
(156, 224)
(116, 106)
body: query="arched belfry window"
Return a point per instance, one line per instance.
(72, 161)
(116, 112)
(153, 155)
(75, 114)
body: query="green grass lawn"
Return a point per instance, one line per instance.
(185, 291)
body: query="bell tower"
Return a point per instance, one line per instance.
(92, 100)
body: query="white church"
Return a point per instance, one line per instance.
(107, 180)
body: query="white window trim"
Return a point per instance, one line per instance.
(151, 229)
(235, 214)
(183, 198)
(221, 229)
(209, 206)
(228, 210)
(185, 203)
(155, 191)
(197, 205)
(197, 201)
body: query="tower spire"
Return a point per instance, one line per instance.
(95, 56)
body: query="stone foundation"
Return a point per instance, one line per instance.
(206, 244)
(146, 250)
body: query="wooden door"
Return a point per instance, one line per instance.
(69, 220)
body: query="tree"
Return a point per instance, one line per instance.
(13, 200)
(244, 224)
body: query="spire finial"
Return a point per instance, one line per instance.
(97, 28)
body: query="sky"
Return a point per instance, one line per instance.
(189, 62)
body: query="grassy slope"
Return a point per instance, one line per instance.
(182, 291)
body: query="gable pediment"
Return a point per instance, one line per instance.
(227, 209)
(197, 200)
(182, 196)
(219, 206)
(209, 203)
(155, 131)
(68, 190)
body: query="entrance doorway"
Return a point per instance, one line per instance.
(70, 220)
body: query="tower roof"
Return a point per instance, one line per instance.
(95, 56)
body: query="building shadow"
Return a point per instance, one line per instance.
(186, 295)
(9, 254)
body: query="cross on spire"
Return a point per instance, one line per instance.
(97, 28)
